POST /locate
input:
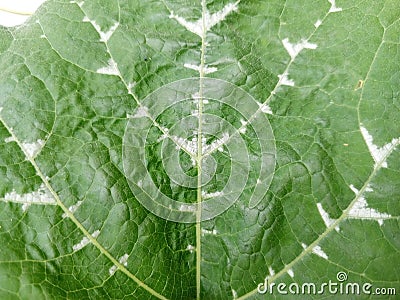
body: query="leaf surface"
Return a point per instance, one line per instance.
(193, 149)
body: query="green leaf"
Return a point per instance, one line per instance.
(200, 150)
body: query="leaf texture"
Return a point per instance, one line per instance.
(193, 149)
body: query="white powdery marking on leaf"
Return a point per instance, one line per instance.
(85, 241)
(185, 207)
(32, 149)
(141, 112)
(41, 196)
(9, 139)
(304, 246)
(360, 209)
(333, 7)
(318, 23)
(295, 49)
(112, 270)
(111, 69)
(195, 27)
(271, 271)
(234, 294)
(284, 80)
(290, 272)
(162, 137)
(190, 146)
(122, 260)
(318, 251)
(217, 17)
(243, 129)
(206, 231)
(130, 86)
(325, 216)
(215, 144)
(209, 20)
(104, 35)
(265, 108)
(379, 154)
(206, 195)
(196, 96)
(190, 248)
(73, 208)
(206, 69)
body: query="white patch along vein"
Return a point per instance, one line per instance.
(379, 154)
(318, 251)
(104, 35)
(141, 112)
(188, 145)
(110, 69)
(85, 241)
(284, 80)
(32, 149)
(215, 144)
(206, 195)
(206, 69)
(190, 248)
(334, 8)
(9, 139)
(186, 207)
(210, 20)
(201, 27)
(317, 23)
(191, 145)
(123, 260)
(73, 208)
(207, 231)
(290, 273)
(295, 49)
(360, 209)
(271, 271)
(265, 108)
(325, 217)
(42, 197)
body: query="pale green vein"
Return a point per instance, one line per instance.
(93, 240)
(330, 228)
(345, 213)
(200, 151)
(276, 87)
(75, 220)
